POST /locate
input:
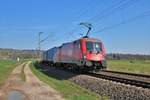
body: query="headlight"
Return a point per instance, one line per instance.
(84, 57)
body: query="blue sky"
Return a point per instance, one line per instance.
(22, 20)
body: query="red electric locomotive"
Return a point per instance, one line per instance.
(82, 54)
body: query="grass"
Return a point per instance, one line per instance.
(133, 66)
(69, 90)
(6, 66)
(23, 76)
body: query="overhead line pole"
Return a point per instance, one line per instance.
(39, 43)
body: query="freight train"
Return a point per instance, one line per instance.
(86, 54)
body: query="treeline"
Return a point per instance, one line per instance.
(13, 54)
(118, 56)
(33, 54)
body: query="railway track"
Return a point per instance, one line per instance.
(138, 80)
(125, 73)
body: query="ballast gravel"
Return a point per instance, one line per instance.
(115, 91)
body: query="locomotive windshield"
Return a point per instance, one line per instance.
(93, 46)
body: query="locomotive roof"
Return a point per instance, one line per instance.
(85, 38)
(91, 39)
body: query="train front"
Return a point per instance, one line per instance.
(93, 51)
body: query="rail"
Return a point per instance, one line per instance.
(123, 79)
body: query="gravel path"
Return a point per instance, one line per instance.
(32, 88)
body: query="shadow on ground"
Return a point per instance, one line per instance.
(56, 73)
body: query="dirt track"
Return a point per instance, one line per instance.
(32, 88)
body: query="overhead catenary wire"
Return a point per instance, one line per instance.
(110, 10)
(76, 28)
(80, 15)
(105, 10)
(45, 38)
(71, 33)
(103, 14)
(145, 14)
(49, 36)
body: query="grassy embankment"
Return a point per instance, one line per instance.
(133, 66)
(6, 66)
(23, 76)
(69, 90)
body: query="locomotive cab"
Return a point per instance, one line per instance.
(93, 54)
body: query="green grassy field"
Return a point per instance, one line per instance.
(69, 90)
(133, 66)
(6, 66)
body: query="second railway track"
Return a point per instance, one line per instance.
(125, 73)
(138, 80)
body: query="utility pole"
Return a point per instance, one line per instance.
(40, 33)
(39, 43)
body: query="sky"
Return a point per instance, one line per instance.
(122, 25)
